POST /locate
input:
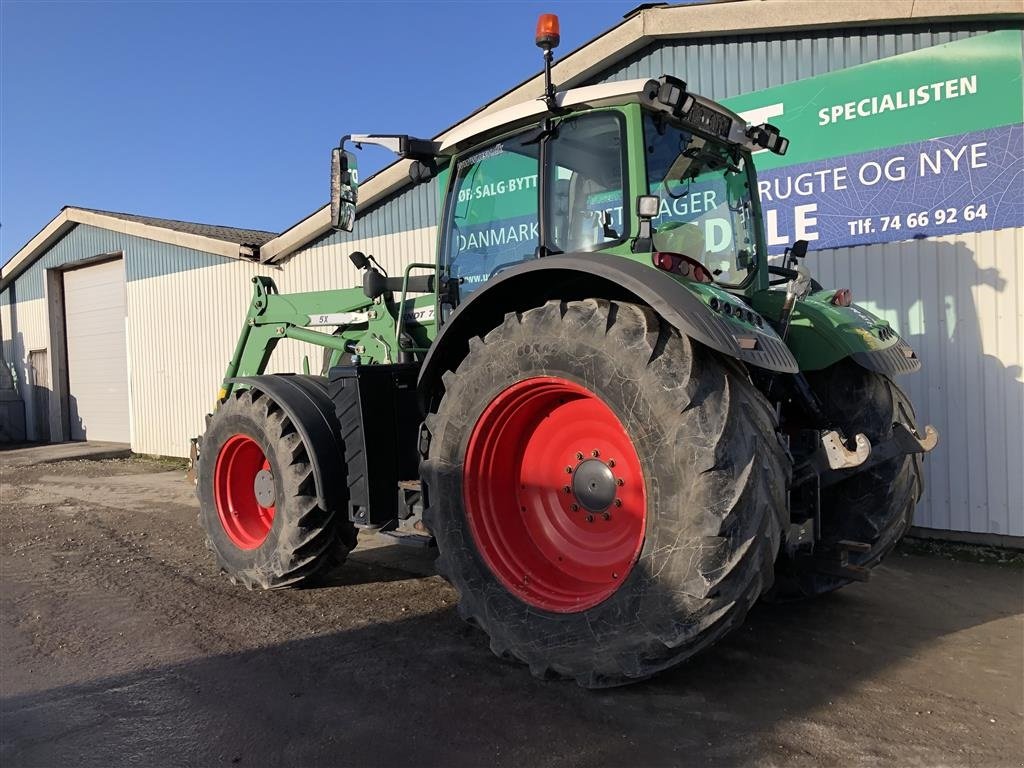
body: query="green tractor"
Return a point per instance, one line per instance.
(619, 424)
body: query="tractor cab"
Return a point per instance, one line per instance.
(642, 169)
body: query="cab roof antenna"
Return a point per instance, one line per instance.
(547, 39)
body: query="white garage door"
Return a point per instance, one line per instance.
(94, 310)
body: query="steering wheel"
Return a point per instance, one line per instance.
(786, 275)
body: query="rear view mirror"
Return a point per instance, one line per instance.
(344, 189)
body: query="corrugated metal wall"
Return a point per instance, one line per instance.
(182, 331)
(24, 329)
(184, 308)
(958, 300)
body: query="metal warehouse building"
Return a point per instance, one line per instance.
(82, 305)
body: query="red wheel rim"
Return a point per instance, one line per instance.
(242, 471)
(554, 494)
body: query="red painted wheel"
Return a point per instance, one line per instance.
(554, 494)
(244, 492)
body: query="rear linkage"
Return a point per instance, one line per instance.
(824, 457)
(832, 461)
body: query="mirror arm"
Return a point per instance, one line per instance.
(644, 240)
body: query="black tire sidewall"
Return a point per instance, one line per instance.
(661, 587)
(865, 401)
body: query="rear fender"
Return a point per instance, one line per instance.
(686, 305)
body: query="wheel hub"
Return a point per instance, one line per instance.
(263, 488)
(593, 485)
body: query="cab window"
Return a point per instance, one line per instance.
(493, 218)
(587, 187)
(707, 208)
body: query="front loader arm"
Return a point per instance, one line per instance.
(349, 318)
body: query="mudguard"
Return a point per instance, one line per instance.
(305, 401)
(686, 305)
(822, 334)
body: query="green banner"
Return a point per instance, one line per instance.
(950, 89)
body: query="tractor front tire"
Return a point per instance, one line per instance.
(607, 496)
(258, 498)
(876, 506)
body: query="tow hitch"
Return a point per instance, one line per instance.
(833, 460)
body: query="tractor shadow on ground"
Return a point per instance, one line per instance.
(380, 563)
(427, 691)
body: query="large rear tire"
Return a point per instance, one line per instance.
(607, 496)
(876, 506)
(258, 498)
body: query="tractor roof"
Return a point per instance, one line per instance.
(643, 91)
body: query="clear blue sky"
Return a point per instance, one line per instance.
(225, 113)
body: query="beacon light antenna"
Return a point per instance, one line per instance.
(547, 38)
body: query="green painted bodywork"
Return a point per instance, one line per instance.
(820, 333)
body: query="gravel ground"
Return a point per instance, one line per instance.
(121, 644)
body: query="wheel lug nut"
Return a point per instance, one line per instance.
(568, 470)
(618, 502)
(595, 453)
(606, 516)
(590, 518)
(579, 455)
(575, 507)
(620, 482)
(566, 489)
(611, 463)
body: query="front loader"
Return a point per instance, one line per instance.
(619, 424)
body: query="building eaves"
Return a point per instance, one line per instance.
(251, 237)
(229, 242)
(646, 26)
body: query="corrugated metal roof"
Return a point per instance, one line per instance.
(720, 68)
(229, 242)
(251, 237)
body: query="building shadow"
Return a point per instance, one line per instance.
(958, 314)
(30, 371)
